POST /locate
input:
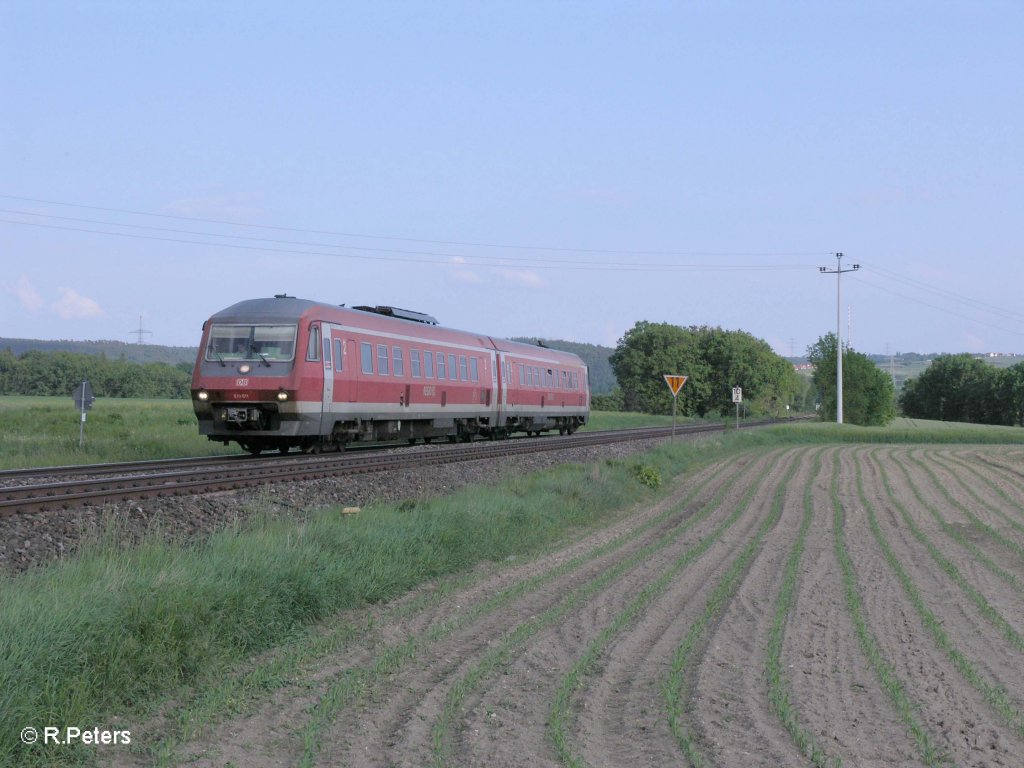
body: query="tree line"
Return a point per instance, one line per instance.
(58, 373)
(964, 388)
(715, 360)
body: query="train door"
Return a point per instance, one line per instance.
(342, 359)
(494, 394)
(326, 423)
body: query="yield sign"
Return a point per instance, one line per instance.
(675, 382)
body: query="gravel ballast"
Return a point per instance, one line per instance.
(30, 538)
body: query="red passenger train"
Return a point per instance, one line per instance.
(282, 373)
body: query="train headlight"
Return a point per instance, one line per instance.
(244, 368)
(202, 395)
(282, 395)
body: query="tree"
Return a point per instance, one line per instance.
(738, 359)
(648, 351)
(961, 388)
(868, 394)
(715, 360)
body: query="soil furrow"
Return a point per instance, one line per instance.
(833, 689)
(400, 730)
(955, 713)
(737, 724)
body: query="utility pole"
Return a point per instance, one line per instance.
(838, 271)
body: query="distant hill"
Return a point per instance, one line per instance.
(907, 365)
(602, 378)
(112, 350)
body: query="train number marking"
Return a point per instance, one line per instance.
(428, 391)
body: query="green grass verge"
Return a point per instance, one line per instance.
(900, 431)
(43, 431)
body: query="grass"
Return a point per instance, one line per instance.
(44, 431)
(901, 430)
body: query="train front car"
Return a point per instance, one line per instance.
(251, 377)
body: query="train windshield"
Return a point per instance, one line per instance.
(251, 342)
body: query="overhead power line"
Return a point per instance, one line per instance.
(596, 266)
(471, 244)
(936, 307)
(531, 261)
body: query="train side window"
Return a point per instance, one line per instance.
(366, 356)
(440, 366)
(474, 369)
(453, 367)
(414, 362)
(327, 348)
(428, 364)
(313, 350)
(339, 355)
(398, 358)
(522, 374)
(463, 368)
(383, 365)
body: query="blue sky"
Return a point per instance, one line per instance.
(557, 169)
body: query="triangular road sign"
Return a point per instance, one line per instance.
(675, 382)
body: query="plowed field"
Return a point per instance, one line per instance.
(809, 605)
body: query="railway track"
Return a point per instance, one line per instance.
(96, 484)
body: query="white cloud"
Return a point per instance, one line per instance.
(73, 306)
(523, 277)
(26, 293)
(464, 276)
